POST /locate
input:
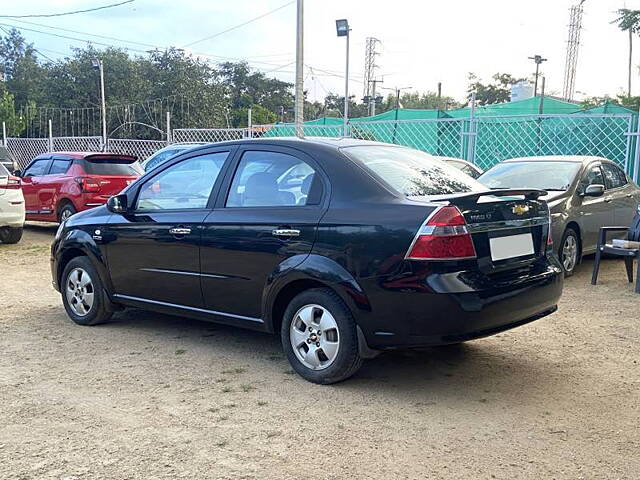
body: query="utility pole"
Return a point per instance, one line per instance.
(370, 65)
(372, 100)
(573, 45)
(299, 100)
(538, 59)
(438, 105)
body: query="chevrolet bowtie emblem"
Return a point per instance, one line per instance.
(520, 209)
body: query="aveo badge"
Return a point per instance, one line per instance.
(520, 209)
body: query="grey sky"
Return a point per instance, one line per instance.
(423, 42)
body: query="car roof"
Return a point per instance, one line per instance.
(584, 159)
(87, 154)
(327, 142)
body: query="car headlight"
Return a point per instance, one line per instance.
(60, 229)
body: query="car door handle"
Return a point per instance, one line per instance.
(179, 231)
(608, 199)
(285, 232)
(629, 195)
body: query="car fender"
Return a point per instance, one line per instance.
(78, 239)
(319, 269)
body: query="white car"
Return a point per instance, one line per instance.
(11, 207)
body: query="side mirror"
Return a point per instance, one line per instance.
(17, 173)
(117, 204)
(596, 190)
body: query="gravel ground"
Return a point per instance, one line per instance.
(153, 396)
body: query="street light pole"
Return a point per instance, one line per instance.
(299, 100)
(342, 29)
(538, 59)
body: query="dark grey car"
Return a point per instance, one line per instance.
(585, 193)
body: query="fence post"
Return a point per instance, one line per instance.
(471, 154)
(636, 156)
(249, 123)
(168, 128)
(4, 133)
(50, 136)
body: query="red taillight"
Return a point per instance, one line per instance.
(88, 184)
(13, 183)
(444, 237)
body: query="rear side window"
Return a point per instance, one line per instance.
(37, 168)
(109, 166)
(411, 172)
(271, 179)
(59, 166)
(615, 176)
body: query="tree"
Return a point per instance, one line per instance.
(15, 123)
(497, 92)
(628, 21)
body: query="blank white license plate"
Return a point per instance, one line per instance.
(511, 246)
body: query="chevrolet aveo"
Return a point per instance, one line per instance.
(345, 248)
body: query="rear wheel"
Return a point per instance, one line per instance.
(10, 235)
(569, 251)
(82, 293)
(319, 337)
(65, 212)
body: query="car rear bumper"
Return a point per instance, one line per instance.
(435, 317)
(12, 210)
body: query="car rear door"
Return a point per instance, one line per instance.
(265, 221)
(622, 192)
(30, 182)
(153, 252)
(49, 185)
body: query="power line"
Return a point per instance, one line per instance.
(239, 25)
(34, 48)
(49, 15)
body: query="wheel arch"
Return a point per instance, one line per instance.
(314, 272)
(80, 244)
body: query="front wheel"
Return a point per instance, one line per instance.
(569, 251)
(82, 293)
(319, 337)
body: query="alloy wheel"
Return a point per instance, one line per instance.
(569, 253)
(80, 291)
(314, 337)
(65, 215)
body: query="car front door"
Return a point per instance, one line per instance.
(622, 192)
(30, 183)
(153, 252)
(595, 212)
(51, 184)
(264, 222)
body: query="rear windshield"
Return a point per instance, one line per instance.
(110, 166)
(411, 172)
(541, 175)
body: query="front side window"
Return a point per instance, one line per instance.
(270, 179)
(614, 176)
(185, 185)
(592, 177)
(412, 172)
(37, 168)
(59, 166)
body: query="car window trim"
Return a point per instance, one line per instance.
(53, 158)
(225, 188)
(607, 180)
(179, 158)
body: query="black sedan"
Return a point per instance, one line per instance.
(343, 247)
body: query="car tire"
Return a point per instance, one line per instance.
(10, 235)
(65, 212)
(569, 251)
(82, 293)
(325, 350)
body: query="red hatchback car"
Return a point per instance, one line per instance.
(57, 185)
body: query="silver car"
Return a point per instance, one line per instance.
(584, 194)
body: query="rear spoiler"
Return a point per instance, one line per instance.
(528, 193)
(96, 157)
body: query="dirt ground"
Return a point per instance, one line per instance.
(151, 396)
